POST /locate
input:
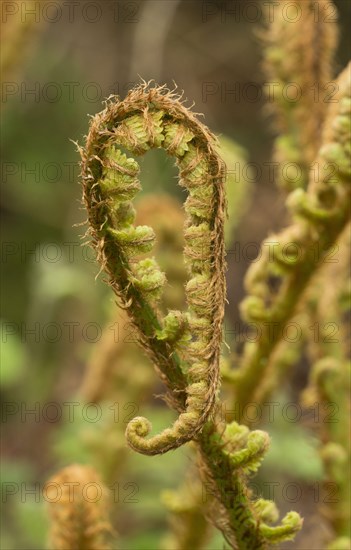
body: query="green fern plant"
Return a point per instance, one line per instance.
(144, 120)
(76, 521)
(298, 62)
(321, 214)
(184, 346)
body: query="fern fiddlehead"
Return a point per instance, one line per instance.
(321, 215)
(78, 522)
(299, 54)
(184, 346)
(227, 458)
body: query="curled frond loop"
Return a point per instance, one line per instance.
(250, 457)
(291, 524)
(152, 117)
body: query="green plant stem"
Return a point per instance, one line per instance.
(240, 524)
(321, 215)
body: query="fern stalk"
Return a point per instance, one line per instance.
(321, 215)
(184, 346)
(298, 60)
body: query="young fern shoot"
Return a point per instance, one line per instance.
(75, 520)
(184, 346)
(299, 54)
(321, 214)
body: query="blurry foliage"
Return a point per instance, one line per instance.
(12, 359)
(39, 208)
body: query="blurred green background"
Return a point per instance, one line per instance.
(58, 66)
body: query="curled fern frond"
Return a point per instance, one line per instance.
(248, 448)
(227, 458)
(152, 118)
(291, 524)
(298, 60)
(76, 520)
(293, 257)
